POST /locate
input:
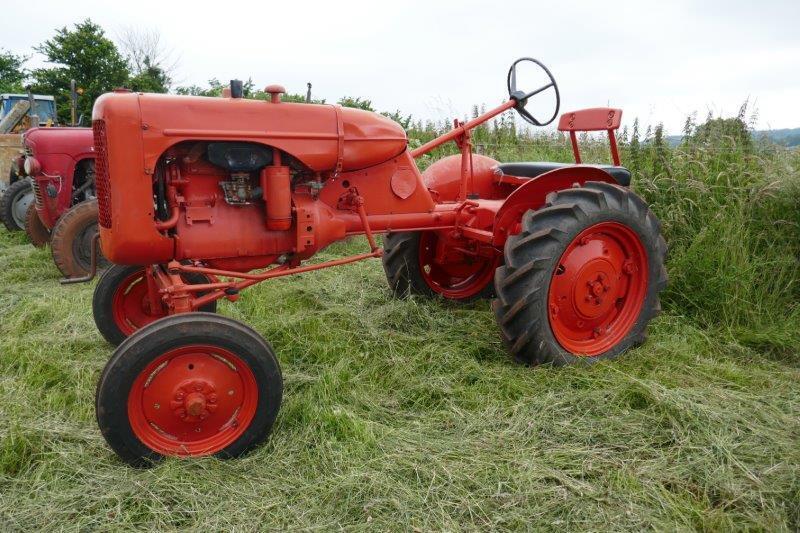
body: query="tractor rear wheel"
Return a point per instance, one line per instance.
(189, 385)
(581, 281)
(425, 263)
(37, 233)
(14, 204)
(72, 238)
(121, 305)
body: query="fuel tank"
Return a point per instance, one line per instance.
(323, 137)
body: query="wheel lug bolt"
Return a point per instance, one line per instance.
(156, 406)
(230, 392)
(584, 241)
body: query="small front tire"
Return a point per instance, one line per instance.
(121, 306)
(37, 233)
(189, 385)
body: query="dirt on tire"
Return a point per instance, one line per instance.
(37, 233)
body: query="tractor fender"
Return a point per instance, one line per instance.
(533, 194)
(443, 178)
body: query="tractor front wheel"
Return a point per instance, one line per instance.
(189, 385)
(429, 264)
(121, 304)
(14, 204)
(72, 238)
(37, 233)
(581, 281)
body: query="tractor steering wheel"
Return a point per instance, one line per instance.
(521, 97)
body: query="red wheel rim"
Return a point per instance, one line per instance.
(130, 304)
(451, 272)
(193, 400)
(598, 289)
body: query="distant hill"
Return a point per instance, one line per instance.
(789, 137)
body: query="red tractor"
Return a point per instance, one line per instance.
(200, 198)
(60, 164)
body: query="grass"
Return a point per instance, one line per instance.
(408, 414)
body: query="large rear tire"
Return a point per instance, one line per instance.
(72, 238)
(121, 306)
(581, 281)
(37, 233)
(14, 204)
(413, 266)
(189, 385)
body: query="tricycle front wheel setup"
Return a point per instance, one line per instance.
(582, 278)
(189, 385)
(122, 303)
(429, 264)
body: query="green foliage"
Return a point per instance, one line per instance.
(86, 55)
(150, 79)
(409, 414)
(357, 102)
(12, 72)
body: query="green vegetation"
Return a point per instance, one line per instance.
(404, 414)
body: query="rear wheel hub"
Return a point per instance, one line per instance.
(598, 289)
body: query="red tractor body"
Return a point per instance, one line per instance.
(200, 198)
(58, 162)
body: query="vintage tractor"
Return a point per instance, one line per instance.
(60, 165)
(200, 198)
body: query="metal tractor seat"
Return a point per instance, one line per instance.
(594, 119)
(531, 170)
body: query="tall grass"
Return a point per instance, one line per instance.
(408, 414)
(730, 209)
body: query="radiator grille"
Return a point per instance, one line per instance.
(37, 193)
(102, 184)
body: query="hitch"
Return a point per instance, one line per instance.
(92, 267)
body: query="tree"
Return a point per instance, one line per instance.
(150, 64)
(86, 55)
(357, 102)
(12, 74)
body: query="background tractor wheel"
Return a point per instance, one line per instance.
(189, 385)
(14, 204)
(121, 305)
(37, 233)
(411, 266)
(581, 280)
(72, 240)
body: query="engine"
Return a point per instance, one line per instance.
(232, 182)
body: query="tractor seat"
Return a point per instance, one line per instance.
(531, 170)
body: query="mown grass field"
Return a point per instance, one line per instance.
(408, 414)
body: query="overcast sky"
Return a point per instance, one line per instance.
(658, 61)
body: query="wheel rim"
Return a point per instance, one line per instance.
(192, 400)
(450, 272)
(19, 206)
(597, 289)
(130, 304)
(82, 247)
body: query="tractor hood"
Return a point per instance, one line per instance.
(323, 137)
(70, 141)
